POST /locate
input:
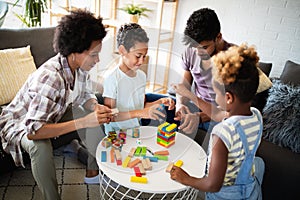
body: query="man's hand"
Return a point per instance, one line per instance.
(189, 121)
(102, 114)
(182, 90)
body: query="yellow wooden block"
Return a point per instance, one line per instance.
(171, 127)
(137, 179)
(126, 161)
(179, 163)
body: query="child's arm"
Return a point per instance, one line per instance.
(151, 112)
(167, 101)
(218, 166)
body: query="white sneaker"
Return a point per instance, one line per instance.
(92, 180)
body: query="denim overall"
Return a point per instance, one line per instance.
(246, 186)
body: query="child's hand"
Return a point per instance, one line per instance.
(168, 101)
(179, 175)
(153, 112)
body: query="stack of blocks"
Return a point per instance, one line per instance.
(166, 133)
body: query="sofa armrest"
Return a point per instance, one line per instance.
(282, 172)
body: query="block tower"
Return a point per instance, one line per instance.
(166, 133)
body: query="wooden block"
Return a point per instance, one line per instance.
(118, 154)
(137, 171)
(126, 161)
(119, 162)
(149, 165)
(179, 163)
(138, 179)
(165, 158)
(152, 159)
(131, 153)
(171, 127)
(142, 170)
(138, 151)
(144, 163)
(168, 169)
(144, 151)
(112, 155)
(103, 156)
(134, 163)
(162, 153)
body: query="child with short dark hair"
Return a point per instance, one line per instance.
(124, 86)
(233, 171)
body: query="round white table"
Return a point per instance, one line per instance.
(115, 180)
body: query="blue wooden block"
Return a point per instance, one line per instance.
(152, 159)
(103, 156)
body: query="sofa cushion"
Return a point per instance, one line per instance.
(282, 117)
(290, 73)
(15, 67)
(39, 38)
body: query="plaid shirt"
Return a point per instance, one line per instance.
(41, 100)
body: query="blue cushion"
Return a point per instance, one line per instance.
(282, 117)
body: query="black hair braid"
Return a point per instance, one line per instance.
(129, 34)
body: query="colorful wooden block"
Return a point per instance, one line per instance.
(119, 162)
(142, 170)
(152, 159)
(162, 153)
(134, 163)
(132, 151)
(179, 163)
(112, 155)
(103, 156)
(138, 151)
(118, 154)
(149, 164)
(137, 171)
(160, 157)
(169, 168)
(143, 151)
(126, 162)
(138, 179)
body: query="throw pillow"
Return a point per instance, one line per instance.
(290, 73)
(260, 99)
(15, 67)
(264, 82)
(282, 117)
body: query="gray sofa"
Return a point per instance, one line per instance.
(282, 172)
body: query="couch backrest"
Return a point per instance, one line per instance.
(39, 39)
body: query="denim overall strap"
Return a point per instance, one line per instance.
(244, 176)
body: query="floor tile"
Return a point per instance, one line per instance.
(4, 178)
(22, 177)
(72, 162)
(71, 176)
(59, 161)
(94, 192)
(59, 176)
(71, 192)
(19, 192)
(37, 195)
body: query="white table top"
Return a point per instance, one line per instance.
(159, 181)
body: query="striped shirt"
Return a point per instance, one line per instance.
(230, 137)
(41, 100)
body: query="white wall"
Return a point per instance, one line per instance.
(273, 26)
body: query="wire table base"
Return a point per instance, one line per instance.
(110, 190)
